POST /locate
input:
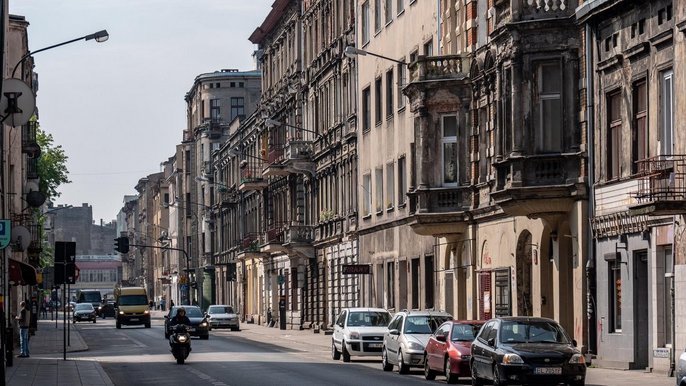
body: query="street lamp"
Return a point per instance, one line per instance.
(236, 152)
(353, 52)
(99, 37)
(273, 123)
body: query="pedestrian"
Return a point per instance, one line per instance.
(162, 304)
(171, 303)
(23, 320)
(44, 309)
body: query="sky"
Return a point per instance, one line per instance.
(117, 107)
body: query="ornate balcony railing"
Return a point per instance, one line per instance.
(662, 178)
(297, 234)
(439, 68)
(440, 200)
(538, 170)
(250, 242)
(298, 150)
(275, 232)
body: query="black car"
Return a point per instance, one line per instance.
(107, 309)
(83, 312)
(526, 350)
(199, 326)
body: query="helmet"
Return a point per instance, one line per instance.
(181, 310)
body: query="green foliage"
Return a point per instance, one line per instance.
(52, 165)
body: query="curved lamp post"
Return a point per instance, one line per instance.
(353, 52)
(99, 37)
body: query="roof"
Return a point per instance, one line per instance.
(269, 22)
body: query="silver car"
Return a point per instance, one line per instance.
(681, 370)
(219, 315)
(407, 336)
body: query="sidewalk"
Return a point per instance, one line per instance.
(46, 366)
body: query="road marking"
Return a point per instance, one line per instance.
(206, 377)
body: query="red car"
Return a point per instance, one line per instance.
(449, 349)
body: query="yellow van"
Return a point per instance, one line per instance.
(132, 306)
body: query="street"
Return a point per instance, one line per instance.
(260, 356)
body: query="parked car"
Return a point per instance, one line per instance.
(199, 326)
(359, 332)
(406, 337)
(449, 350)
(526, 350)
(222, 316)
(84, 312)
(106, 309)
(681, 370)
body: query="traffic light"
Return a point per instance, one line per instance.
(121, 244)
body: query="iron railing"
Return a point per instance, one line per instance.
(661, 178)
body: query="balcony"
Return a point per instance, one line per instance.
(531, 185)
(228, 196)
(250, 246)
(274, 238)
(293, 157)
(439, 210)
(661, 186)
(251, 179)
(298, 240)
(440, 68)
(546, 9)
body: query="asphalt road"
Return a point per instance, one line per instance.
(140, 356)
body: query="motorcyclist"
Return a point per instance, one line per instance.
(180, 318)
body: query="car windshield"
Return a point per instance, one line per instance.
(220, 310)
(369, 319)
(532, 332)
(91, 297)
(424, 324)
(464, 332)
(191, 312)
(133, 300)
(84, 307)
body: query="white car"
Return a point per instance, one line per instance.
(681, 370)
(359, 332)
(219, 315)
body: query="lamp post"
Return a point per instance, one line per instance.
(99, 37)
(273, 123)
(353, 52)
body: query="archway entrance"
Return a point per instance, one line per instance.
(523, 267)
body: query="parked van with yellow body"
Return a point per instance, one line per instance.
(132, 306)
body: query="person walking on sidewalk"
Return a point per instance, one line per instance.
(23, 320)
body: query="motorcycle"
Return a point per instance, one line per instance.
(180, 343)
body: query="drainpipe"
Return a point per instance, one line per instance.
(590, 149)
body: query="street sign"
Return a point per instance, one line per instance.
(357, 269)
(5, 233)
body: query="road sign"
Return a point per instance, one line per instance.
(5, 233)
(357, 269)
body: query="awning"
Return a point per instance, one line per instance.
(21, 273)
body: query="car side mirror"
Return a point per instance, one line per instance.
(441, 338)
(574, 342)
(491, 342)
(393, 332)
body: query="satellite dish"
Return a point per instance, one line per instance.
(17, 102)
(35, 198)
(21, 238)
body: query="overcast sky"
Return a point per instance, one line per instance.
(117, 107)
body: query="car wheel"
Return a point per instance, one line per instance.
(93, 320)
(147, 325)
(429, 374)
(497, 379)
(580, 383)
(235, 329)
(346, 354)
(402, 367)
(335, 354)
(384, 361)
(118, 324)
(450, 377)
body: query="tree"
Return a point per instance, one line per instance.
(52, 165)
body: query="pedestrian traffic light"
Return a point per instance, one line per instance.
(121, 244)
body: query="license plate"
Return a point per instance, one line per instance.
(375, 345)
(134, 319)
(548, 370)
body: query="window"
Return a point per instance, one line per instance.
(367, 194)
(214, 109)
(615, 281)
(429, 282)
(389, 93)
(614, 135)
(237, 107)
(377, 15)
(666, 112)
(388, 11)
(366, 109)
(429, 48)
(548, 106)
(666, 305)
(449, 150)
(639, 135)
(415, 283)
(390, 284)
(400, 6)
(401, 84)
(413, 56)
(378, 174)
(402, 181)
(365, 23)
(390, 185)
(378, 104)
